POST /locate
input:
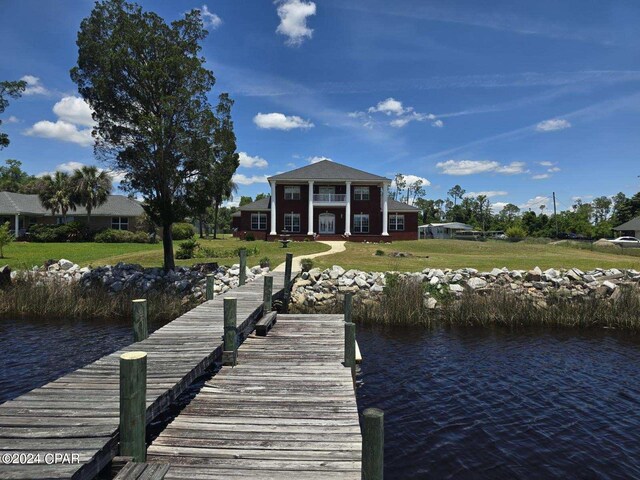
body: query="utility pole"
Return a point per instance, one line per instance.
(555, 214)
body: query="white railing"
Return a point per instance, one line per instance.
(329, 197)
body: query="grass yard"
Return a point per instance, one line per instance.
(481, 255)
(20, 255)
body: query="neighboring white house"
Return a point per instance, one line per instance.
(442, 230)
(630, 229)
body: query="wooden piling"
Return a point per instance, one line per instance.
(373, 444)
(348, 302)
(210, 284)
(243, 266)
(350, 345)
(230, 339)
(140, 320)
(287, 281)
(267, 296)
(133, 405)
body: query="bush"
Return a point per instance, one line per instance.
(265, 262)
(111, 235)
(379, 253)
(515, 233)
(249, 237)
(182, 231)
(69, 232)
(306, 264)
(187, 249)
(208, 252)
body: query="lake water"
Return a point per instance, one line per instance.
(467, 403)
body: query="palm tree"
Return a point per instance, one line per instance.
(56, 194)
(91, 188)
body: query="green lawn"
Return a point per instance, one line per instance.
(26, 255)
(481, 255)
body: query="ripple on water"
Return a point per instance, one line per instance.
(473, 403)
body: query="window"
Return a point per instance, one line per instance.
(292, 193)
(361, 223)
(292, 222)
(120, 223)
(258, 221)
(396, 222)
(62, 220)
(361, 193)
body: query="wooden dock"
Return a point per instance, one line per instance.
(286, 410)
(79, 412)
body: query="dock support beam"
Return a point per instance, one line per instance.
(267, 296)
(348, 302)
(133, 405)
(243, 267)
(350, 346)
(210, 284)
(373, 444)
(140, 320)
(287, 281)
(230, 348)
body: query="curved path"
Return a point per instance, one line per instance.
(336, 247)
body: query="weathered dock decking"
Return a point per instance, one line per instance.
(286, 410)
(79, 412)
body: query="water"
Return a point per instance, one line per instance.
(482, 404)
(467, 403)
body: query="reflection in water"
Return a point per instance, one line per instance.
(474, 403)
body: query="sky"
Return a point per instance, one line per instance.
(511, 99)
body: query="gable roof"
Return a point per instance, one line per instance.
(257, 206)
(328, 170)
(396, 206)
(633, 224)
(12, 203)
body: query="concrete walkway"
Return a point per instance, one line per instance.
(336, 247)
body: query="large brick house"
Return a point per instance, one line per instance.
(327, 200)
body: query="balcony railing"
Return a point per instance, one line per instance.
(329, 197)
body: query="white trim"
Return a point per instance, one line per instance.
(310, 211)
(347, 218)
(273, 208)
(385, 210)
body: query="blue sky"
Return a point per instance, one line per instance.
(514, 98)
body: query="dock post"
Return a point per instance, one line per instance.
(243, 266)
(350, 347)
(140, 320)
(210, 284)
(287, 281)
(230, 349)
(373, 444)
(348, 302)
(133, 405)
(267, 294)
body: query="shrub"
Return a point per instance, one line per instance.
(187, 249)
(68, 232)
(515, 233)
(5, 238)
(265, 262)
(208, 252)
(111, 235)
(249, 237)
(182, 231)
(379, 253)
(306, 264)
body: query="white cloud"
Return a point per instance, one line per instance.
(231, 203)
(12, 119)
(546, 164)
(413, 179)
(393, 107)
(388, 107)
(293, 20)
(553, 169)
(498, 206)
(74, 110)
(70, 167)
(540, 176)
(34, 86)
(291, 165)
(318, 158)
(280, 121)
(472, 167)
(534, 203)
(487, 193)
(247, 161)
(552, 125)
(209, 18)
(241, 179)
(61, 130)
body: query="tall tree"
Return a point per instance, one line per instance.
(147, 85)
(601, 208)
(91, 188)
(456, 192)
(12, 177)
(56, 194)
(415, 190)
(227, 160)
(400, 184)
(9, 90)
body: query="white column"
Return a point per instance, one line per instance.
(385, 209)
(17, 225)
(273, 208)
(310, 216)
(347, 213)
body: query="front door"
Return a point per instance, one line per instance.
(327, 223)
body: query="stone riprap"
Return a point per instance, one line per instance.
(188, 282)
(319, 287)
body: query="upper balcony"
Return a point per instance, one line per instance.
(329, 198)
